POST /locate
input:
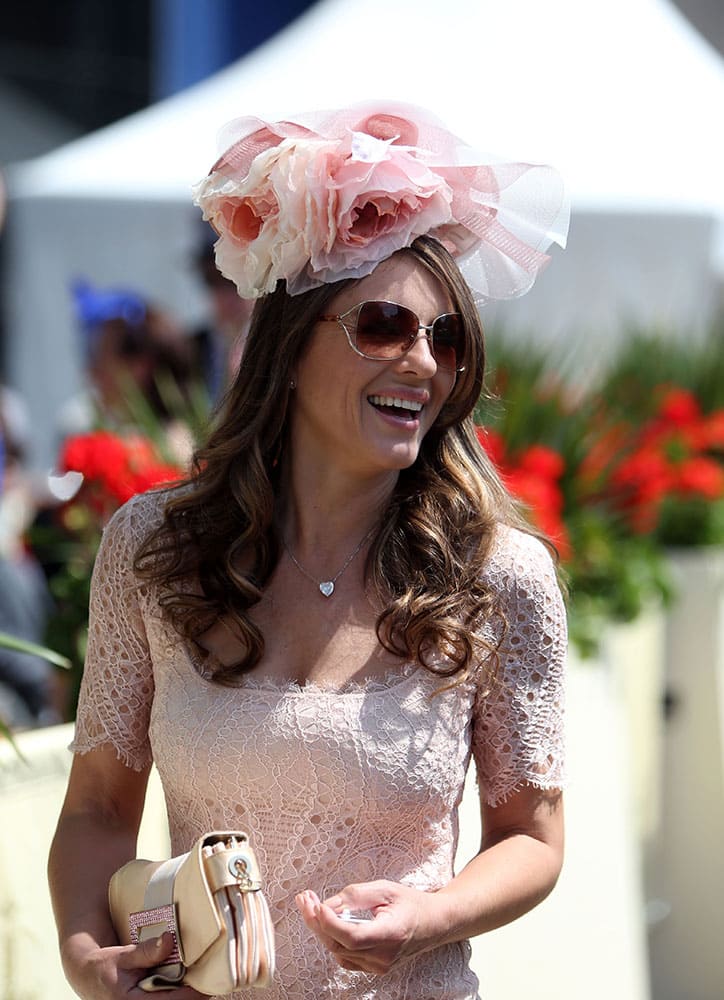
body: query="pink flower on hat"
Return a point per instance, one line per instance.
(269, 221)
(383, 198)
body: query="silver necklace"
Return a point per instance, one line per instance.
(326, 587)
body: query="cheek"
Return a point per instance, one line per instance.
(444, 386)
(442, 394)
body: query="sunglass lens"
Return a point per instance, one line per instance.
(384, 329)
(448, 340)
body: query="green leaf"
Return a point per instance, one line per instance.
(7, 734)
(23, 646)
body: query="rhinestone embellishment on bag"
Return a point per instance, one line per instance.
(148, 918)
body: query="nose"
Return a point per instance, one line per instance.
(419, 354)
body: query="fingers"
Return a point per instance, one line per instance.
(363, 897)
(344, 939)
(311, 910)
(374, 944)
(308, 903)
(149, 953)
(328, 924)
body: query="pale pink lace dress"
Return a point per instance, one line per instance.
(334, 786)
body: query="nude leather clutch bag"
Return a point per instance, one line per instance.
(211, 901)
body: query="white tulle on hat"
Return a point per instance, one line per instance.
(327, 195)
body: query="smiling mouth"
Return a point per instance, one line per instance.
(405, 409)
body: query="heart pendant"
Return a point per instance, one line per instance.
(327, 588)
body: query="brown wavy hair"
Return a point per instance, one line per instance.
(219, 543)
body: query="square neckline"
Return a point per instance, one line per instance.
(394, 676)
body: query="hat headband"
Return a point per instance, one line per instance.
(328, 195)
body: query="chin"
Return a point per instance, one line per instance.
(402, 459)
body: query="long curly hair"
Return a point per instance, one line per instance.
(219, 543)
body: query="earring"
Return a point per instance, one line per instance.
(292, 384)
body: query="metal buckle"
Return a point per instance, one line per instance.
(160, 915)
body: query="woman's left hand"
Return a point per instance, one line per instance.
(402, 923)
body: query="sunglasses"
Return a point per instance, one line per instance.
(383, 331)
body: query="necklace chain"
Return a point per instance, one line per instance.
(326, 587)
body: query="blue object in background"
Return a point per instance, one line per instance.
(192, 39)
(94, 306)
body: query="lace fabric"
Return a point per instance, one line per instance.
(334, 786)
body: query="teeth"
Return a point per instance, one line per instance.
(403, 404)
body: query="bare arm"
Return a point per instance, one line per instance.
(518, 865)
(96, 834)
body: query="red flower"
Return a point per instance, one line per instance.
(679, 407)
(545, 501)
(155, 475)
(701, 476)
(114, 468)
(678, 422)
(533, 479)
(646, 472)
(542, 461)
(492, 444)
(712, 432)
(93, 454)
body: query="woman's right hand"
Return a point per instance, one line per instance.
(114, 973)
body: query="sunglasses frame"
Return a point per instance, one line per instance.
(352, 333)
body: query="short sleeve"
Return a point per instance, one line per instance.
(117, 687)
(518, 733)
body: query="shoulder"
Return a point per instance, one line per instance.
(518, 561)
(521, 573)
(133, 523)
(142, 510)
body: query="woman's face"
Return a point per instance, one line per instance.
(340, 409)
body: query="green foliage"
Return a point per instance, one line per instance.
(649, 359)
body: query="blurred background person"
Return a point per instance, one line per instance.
(137, 361)
(30, 692)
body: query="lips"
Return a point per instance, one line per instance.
(396, 406)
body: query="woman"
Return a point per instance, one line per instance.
(312, 635)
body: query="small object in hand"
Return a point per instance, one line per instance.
(355, 916)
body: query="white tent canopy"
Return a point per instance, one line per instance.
(624, 98)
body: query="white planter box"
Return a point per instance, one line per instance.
(687, 945)
(635, 655)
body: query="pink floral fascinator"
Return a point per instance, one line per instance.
(328, 195)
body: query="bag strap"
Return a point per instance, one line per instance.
(159, 891)
(158, 907)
